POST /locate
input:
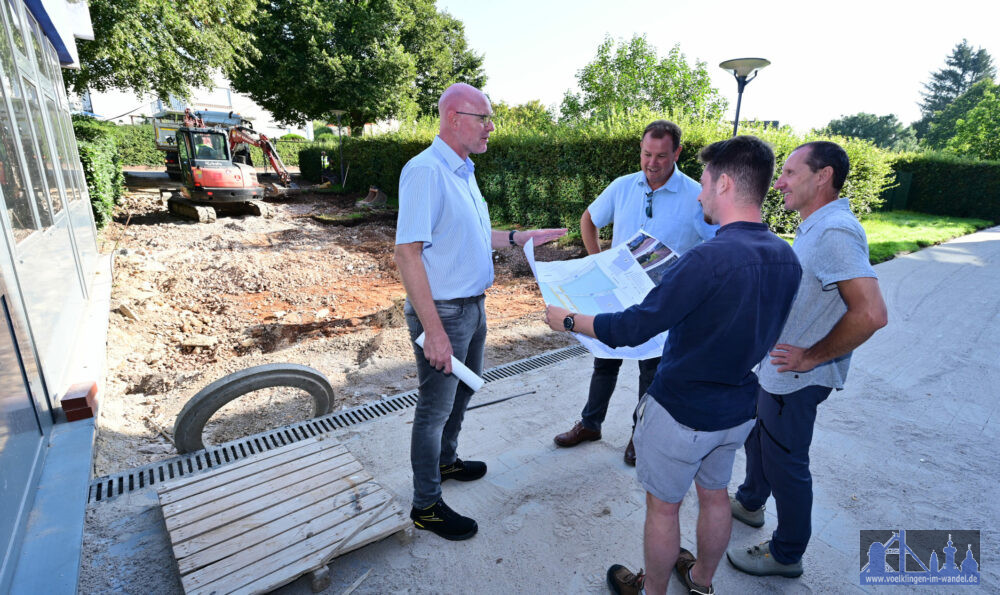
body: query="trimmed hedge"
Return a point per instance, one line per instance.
(534, 179)
(101, 159)
(944, 184)
(137, 146)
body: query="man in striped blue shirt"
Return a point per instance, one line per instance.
(444, 246)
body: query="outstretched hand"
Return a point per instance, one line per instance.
(541, 236)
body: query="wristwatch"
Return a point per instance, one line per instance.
(510, 238)
(569, 322)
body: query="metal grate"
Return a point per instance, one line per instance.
(111, 486)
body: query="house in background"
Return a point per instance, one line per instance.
(54, 290)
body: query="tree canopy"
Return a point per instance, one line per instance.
(442, 56)
(977, 134)
(526, 116)
(884, 131)
(162, 46)
(965, 67)
(372, 58)
(626, 76)
(943, 125)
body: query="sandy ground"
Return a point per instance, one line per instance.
(909, 444)
(192, 303)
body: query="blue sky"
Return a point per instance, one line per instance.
(828, 59)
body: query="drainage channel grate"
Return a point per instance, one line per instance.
(111, 486)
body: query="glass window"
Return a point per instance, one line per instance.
(61, 149)
(36, 45)
(43, 146)
(23, 121)
(15, 27)
(16, 194)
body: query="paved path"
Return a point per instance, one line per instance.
(909, 444)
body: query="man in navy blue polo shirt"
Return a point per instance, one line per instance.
(444, 247)
(724, 303)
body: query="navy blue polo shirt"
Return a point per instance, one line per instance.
(724, 303)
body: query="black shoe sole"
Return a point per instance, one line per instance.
(449, 536)
(445, 478)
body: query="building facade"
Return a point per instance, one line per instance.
(48, 252)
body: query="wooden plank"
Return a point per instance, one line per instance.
(274, 477)
(251, 530)
(203, 531)
(320, 533)
(246, 472)
(240, 504)
(390, 521)
(250, 460)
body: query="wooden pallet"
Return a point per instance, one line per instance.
(262, 522)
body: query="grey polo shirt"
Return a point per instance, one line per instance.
(832, 247)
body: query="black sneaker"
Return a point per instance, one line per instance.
(438, 518)
(463, 470)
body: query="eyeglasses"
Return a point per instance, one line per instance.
(649, 205)
(484, 118)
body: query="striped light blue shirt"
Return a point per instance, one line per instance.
(677, 219)
(441, 206)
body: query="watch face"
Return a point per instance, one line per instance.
(568, 323)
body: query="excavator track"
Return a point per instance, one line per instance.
(189, 210)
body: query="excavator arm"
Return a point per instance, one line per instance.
(242, 134)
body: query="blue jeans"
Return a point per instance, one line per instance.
(442, 397)
(602, 385)
(778, 463)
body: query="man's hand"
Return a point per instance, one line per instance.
(554, 316)
(541, 236)
(437, 350)
(790, 358)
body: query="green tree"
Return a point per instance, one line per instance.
(162, 46)
(884, 131)
(944, 124)
(441, 54)
(965, 67)
(317, 56)
(623, 77)
(526, 116)
(374, 59)
(978, 133)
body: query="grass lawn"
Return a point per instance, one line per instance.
(899, 232)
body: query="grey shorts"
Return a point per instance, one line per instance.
(670, 455)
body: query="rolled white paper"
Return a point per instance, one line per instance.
(459, 369)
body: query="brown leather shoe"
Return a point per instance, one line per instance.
(630, 454)
(577, 435)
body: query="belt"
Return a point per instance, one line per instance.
(461, 301)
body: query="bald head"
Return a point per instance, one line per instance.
(458, 97)
(462, 109)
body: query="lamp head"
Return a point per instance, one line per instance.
(743, 67)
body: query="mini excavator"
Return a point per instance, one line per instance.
(218, 175)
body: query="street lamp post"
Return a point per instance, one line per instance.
(745, 70)
(340, 142)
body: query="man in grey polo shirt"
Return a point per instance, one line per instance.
(838, 307)
(444, 250)
(662, 201)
